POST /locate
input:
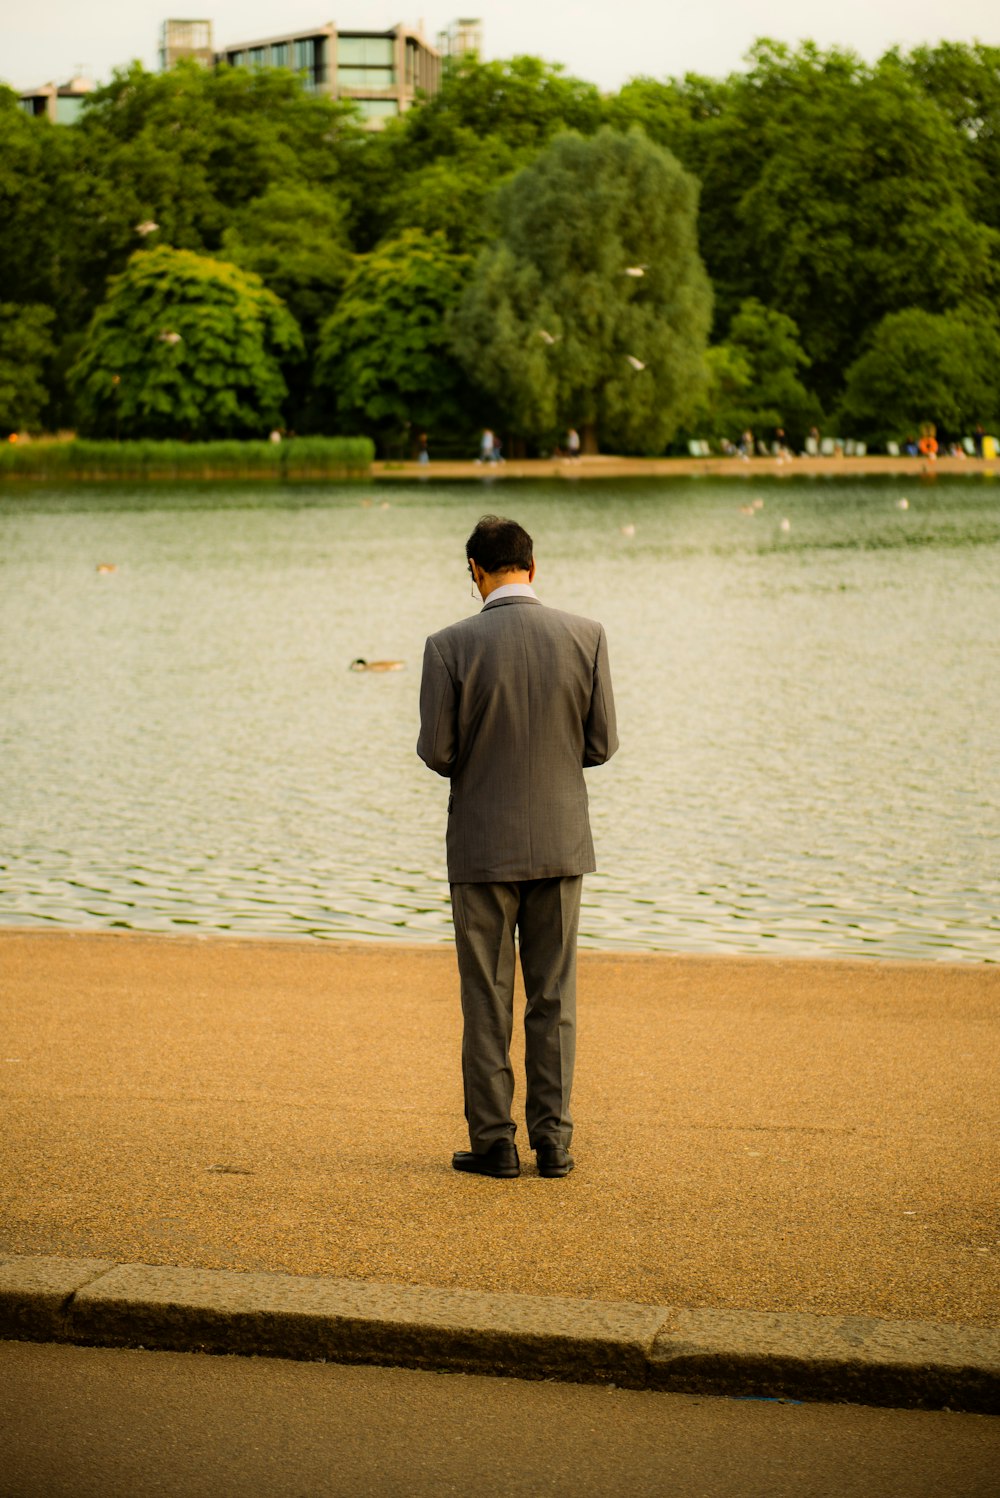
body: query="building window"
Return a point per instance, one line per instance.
(197, 35)
(376, 109)
(257, 57)
(310, 59)
(366, 78)
(67, 110)
(280, 57)
(366, 51)
(236, 59)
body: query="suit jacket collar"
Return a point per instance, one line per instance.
(498, 603)
(511, 590)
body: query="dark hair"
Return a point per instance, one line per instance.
(500, 545)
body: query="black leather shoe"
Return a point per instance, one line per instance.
(553, 1161)
(500, 1160)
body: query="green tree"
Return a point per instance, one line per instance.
(295, 238)
(505, 333)
(522, 101)
(768, 343)
(189, 149)
(834, 191)
(184, 346)
(716, 135)
(924, 366)
(678, 113)
(857, 202)
(964, 83)
(452, 195)
(37, 169)
(438, 166)
(724, 406)
(383, 360)
(592, 307)
(25, 350)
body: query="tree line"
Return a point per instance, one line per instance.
(812, 242)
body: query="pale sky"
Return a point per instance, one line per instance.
(603, 41)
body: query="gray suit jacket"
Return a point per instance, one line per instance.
(513, 703)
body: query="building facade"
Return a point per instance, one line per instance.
(59, 102)
(380, 71)
(181, 40)
(461, 37)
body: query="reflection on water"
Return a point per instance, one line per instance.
(806, 689)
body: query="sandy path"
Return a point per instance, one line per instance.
(750, 1133)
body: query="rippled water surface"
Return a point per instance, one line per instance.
(808, 710)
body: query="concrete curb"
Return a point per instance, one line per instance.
(855, 1359)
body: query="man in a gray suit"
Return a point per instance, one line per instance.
(514, 702)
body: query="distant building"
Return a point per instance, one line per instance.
(461, 37)
(181, 40)
(59, 102)
(380, 71)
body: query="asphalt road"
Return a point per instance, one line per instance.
(96, 1423)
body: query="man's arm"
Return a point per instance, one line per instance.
(438, 741)
(600, 731)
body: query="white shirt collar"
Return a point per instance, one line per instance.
(512, 590)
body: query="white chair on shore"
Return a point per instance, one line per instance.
(812, 447)
(892, 448)
(828, 447)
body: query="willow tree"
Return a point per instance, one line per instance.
(591, 308)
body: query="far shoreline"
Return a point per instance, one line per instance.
(610, 467)
(569, 470)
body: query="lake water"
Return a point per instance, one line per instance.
(807, 694)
